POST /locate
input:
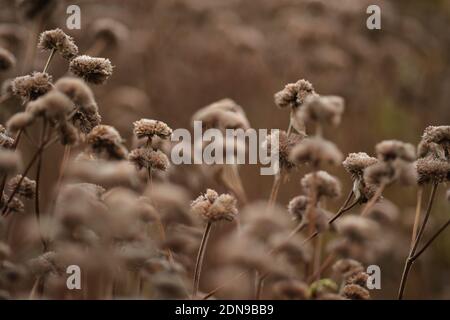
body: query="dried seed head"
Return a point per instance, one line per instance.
(290, 290)
(346, 268)
(9, 161)
(214, 207)
(91, 69)
(149, 159)
(316, 151)
(282, 144)
(150, 128)
(68, 134)
(355, 163)
(388, 172)
(86, 121)
(27, 188)
(43, 264)
(430, 169)
(57, 40)
(383, 212)
(6, 142)
(437, 134)
(393, 149)
(79, 92)
(294, 94)
(326, 110)
(31, 87)
(106, 141)
(109, 30)
(222, 114)
(320, 217)
(19, 121)
(355, 292)
(357, 228)
(54, 106)
(359, 279)
(15, 205)
(326, 185)
(7, 60)
(297, 207)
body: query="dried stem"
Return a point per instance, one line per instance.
(410, 260)
(38, 179)
(417, 216)
(275, 188)
(50, 57)
(374, 199)
(200, 257)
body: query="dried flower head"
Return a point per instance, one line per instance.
(7, 60)
(357, 228)
(6, 142)
(346, 268)
(9, 161)
(297, 207)
(279, 143)
(31, 87)
(388, 172)
(326, 185)
(355, 163)
(19, 121)
(437, 134)
(86, 121)
(109, 30)
(149, 159)
(222, 114)
(316, 151)
(68, 134)
(106, 141)
(80, 93)
(147, 128)
(430, 169)
(294, 94)
(91, 69)
(393, 149)
(359, 279)
(15, 205)
(355, 292)
(214, 207)
(326, 110)
(27, 188)
(57, 40)
(54, 106)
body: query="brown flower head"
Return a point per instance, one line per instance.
(355, 292)
(7, 60)
(355, 163)
(31, 87)
(317, 152)
(106, 141)
(326, 185)
(437, 134)
(297, 207)
(384, 212)
(214, 207)
(389, 150)
(68, 134)
(6, 142)
(283, 146)
(54, 106)
(357, 228)
(15, 205)
(57, 40)
(430, 169)
(149, 159)
(388, 172)
(294, 94)
(346, 268)
(80, 93)
(19, 121)
(146, 128)
(27, 188)
(91, 69)
(326, 110)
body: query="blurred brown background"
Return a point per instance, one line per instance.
(180, 55)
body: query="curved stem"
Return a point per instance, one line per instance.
(200, 258)
(430, 241)
(410, 260)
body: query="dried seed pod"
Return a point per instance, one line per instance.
(6, 142)
(214, 207)
(54, 106)
(437, 134)
(31, 87)
(294, 94)
(106, 141)
(356, 163)
(297, 207)
(7, 60)
(27, 188)
(146, 128)
(149, 159)
(326, 185)
(91, 69)
(57, 40)
(316, 151)
(325, 110)
(359, 279)
(430, 169)
(389, 150)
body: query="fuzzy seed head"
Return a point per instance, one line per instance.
(437, 134)
(106, 141)
(27, 187)
(149, 159)
(393, 149)
(326, 110)
(147, 128)
(79, 92)
(6, 142)
(31, 87)
(222, 114)
(53, 106)
(294, 94)
(7, 60)
(57, 40)
(91, 69)
(326, 185)
(355, 292)
(357, 228)
(430, 169)
(297, 207)
(283, 146)
(316, 151)
(355, 163)
(19, 121)
(214, 207)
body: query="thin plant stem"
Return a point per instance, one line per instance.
(38, 180)
(50, 57)
(417, 216)
(374, 199)
(200, 258)
(430, 241)
(317, 256)
(409, 261)
(275, 188)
